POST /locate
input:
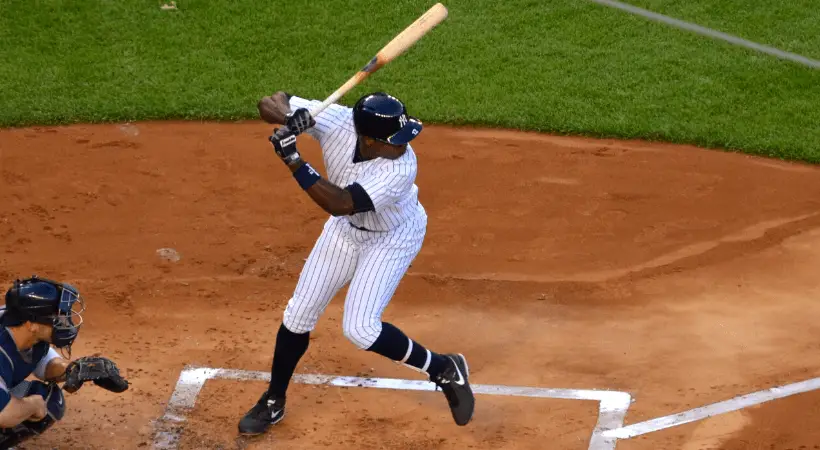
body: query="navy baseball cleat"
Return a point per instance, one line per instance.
(266, 412)
(453, 381)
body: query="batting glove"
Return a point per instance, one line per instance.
(299, 121)
(284, 143)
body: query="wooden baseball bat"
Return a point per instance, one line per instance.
(404, 40)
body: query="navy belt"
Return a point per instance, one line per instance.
(358, 228)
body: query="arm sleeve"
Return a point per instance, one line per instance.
(40, 368)
(386, 187)
(361, 201)
(327, 121)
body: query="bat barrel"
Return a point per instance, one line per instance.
(398, 45)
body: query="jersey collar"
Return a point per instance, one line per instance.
(357, 155)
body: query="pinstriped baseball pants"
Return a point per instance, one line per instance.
(372, 262)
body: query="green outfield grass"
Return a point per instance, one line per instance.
(564, 66)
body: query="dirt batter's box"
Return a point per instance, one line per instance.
(612, 408)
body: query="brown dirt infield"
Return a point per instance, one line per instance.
(680, 275)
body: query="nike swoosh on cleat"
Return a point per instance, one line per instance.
(272, 413)
(460, 379)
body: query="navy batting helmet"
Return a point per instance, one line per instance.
(384, 118)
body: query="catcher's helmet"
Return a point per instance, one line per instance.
(47, 302)
(384, 118)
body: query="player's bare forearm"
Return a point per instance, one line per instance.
(333, 199)
(55, 371)
(274, 108)
(20, 409)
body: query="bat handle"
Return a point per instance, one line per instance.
(322, 106)
(350, 84)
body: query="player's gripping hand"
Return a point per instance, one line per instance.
(284, 143)
(299, 121)
(273, 109)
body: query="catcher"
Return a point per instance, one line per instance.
(40, 313)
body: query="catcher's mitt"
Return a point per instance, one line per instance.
(102, 371)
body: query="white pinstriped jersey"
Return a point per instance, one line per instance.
(373, 262)
(389, 183)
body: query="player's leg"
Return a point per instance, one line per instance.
(328, 268)
(380, 269)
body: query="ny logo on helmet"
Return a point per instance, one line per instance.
(402, 120)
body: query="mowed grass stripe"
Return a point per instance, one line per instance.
(791, 26)
(562, 66)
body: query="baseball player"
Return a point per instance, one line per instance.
(376, 229)
(40, 313)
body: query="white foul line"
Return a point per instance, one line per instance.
(711, 33)
(613, 404)
(744, 401)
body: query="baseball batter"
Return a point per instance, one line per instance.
(376, 229)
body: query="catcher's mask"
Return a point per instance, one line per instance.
(47, 302)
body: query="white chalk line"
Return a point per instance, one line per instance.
(612, 409)
(608, 429)
(711, 33)
(704, 412)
